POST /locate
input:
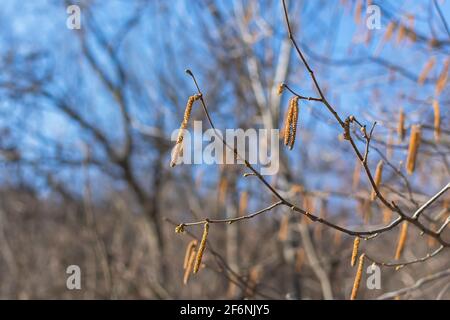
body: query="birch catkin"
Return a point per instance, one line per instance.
(290, 125)
(187, 271)
(280, 89)
(201, 249)
(401, 240)
(401, 125)
(355, 251)
(437, 120)
(443, 77)
(294, 121)
(426, 70)
(284, 228)
(358, 277)
(356, 175)
(187, 114)
(413, 148)
(287, 124)
(389, 31)
(377, 179)
(191, 247)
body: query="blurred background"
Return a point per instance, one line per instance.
(86, 118)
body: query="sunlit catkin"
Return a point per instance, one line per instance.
(188, 269)
(299, 260)
(294, 121)
(437, 120)
(356, 175)
(190, 247)
(358, 277)
(401, 33)
(387, 215)
(201, 249)
(287, 124)
(443, 77)
(413, 148)
(290, 124)
(377, 179)
(426, 70)
(401, 240)
(284, 228)
(389, 31)
(355, 251)
(401, 125)
(187, 114)
(280, 89)
(243, 203)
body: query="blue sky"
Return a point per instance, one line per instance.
(325, 31)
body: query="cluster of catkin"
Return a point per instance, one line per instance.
(193, 257)
(179, 143)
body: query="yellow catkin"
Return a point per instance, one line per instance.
(443, 77)
(299, 260)
(337, 239)
(413, 148)
(358, 10)
(355, 251)
(401, 33)
(222, 190)
(389, 144)
(389, 31)
(284, 228)
(187, 114)
(254, 277)
(323, 215)
(410, 32)
(431, 241)
(243, 203)
(426, 70)
(190, 264)
(287, 124)
(358, 277)
(280, 89)
(377, 179)
(401, 240)
(190, 247)
(401, 125)
(356, 175)
(437, 120)
(387, 215)
(294, 121)
(201, 249)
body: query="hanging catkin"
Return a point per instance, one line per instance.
(358, 277)
(377, 179)
(401, 125)
(284, 228)
(401, 240)
(414, 143)
(190, 264)
(190, 247)
(355, 251)
(280, 89)
(443, 77)
(426, 70)
(437, 120)
(178, 144)
(290, 124)
(201, 249)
